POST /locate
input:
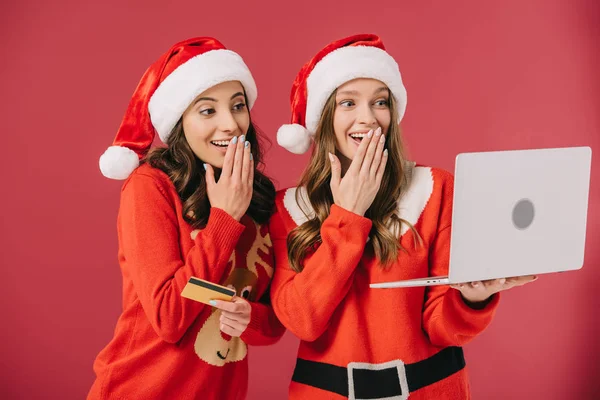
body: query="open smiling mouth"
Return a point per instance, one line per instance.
(221, 355)
(220, 143)
(358, 137)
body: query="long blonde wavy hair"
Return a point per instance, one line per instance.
(384, 209)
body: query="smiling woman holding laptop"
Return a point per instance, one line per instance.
(362, 214)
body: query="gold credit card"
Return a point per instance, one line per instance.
(204, 291)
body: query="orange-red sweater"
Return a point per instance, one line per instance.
(166, 346)
(340, 320)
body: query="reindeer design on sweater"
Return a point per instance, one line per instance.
(249, 274)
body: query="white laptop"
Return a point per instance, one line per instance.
(515, 213)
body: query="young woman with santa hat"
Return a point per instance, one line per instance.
(197, 207)
(362, 213)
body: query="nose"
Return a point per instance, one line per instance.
(366, 116)
(227, 123)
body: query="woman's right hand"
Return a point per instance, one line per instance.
(233, 192)
(356, 191)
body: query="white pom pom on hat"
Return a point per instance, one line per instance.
(294, 137)
(118, 162)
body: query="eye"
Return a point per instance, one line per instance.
(346, 103)
(246, 292)
(382, 103)
(207, 111)
(239, 106)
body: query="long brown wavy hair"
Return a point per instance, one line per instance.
(384, 210)
(186, 172)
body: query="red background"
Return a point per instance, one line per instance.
(480, 75)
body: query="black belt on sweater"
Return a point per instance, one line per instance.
(392, 379)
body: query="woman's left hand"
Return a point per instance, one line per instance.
(478, 292)
(235, 315)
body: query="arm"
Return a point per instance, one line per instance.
(305, 301)
(149, 238)
(447, 318)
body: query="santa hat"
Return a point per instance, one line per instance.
(358, 56)
(165, 91)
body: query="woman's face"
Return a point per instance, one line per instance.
(361, 105)
(213, 119)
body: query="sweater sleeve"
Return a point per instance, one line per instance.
(264, 327)
(447, 319)
(305, 301)
(149, 239)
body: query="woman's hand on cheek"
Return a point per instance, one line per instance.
(356, 191)
(233, 192)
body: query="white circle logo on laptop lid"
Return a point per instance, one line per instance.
(523, 214)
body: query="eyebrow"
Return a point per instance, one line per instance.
(355, 92)
(215, 100)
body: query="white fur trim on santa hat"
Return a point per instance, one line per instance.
(294, 138)
(345, 64)
(193, 77)
(118, 162)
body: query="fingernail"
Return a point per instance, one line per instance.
(251, 158)
(330, 157)
(385, 153)
(370, 133)
(382, 138)
(234, 140)
(378, 131)
(205, 167)
(242, 138)
(475, 284)
(246, 144)
(502, 281)
(213, 303)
